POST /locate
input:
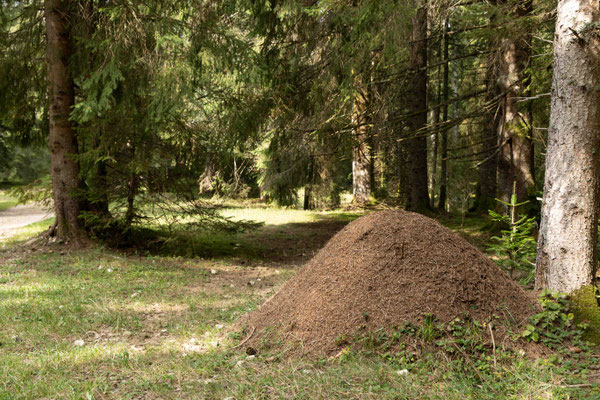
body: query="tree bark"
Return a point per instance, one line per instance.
(62, 138)
(515, 130)
(444, 135)
(567, 246)
(434, 156)
(361, 154)
(416, 145)
(485, 197)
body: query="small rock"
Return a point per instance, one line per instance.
(218, 326)
(214, 271)
(240, 363)
(251, 283)
(79, 343)
(271, 359)
(232, 285)
(135, 294)
(109, 270)
(574, 349)
(250, 358)
(402, 372)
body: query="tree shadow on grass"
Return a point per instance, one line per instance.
(283, 245)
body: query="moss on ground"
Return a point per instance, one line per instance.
(586, 310)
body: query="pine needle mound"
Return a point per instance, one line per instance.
(380, 271)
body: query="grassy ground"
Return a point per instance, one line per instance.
(100, 324)
(6, 201)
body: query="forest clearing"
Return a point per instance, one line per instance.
(100, 323)
(299, 199)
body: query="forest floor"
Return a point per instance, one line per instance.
(105, 324)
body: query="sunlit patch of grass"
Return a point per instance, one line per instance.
(282, 216)
(6, 200)
(277, 226)
(26, 232)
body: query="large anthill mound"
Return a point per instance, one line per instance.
(383, 270)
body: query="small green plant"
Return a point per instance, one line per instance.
(515, 248)
(429, 331)
(554, 324)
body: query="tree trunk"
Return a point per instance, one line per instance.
(361, 154)
(62, 139)
(515, 130)
(131, 192)
(416, 145)
(308, 200)
(434, 156)
(568, 238)
(444, 135)
(485, 197)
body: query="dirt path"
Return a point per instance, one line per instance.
(19, 216)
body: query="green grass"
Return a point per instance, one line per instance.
(6, 200)
(156, 327)
(26, 232)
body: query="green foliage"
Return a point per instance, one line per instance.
(555, 324)
(23, 164)
(39, 191)
(515, 248)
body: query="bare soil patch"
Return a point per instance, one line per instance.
(383, 270)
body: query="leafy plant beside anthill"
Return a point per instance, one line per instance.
(515, 247)
(555, 324)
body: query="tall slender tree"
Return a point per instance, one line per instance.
(515, 157)
(361, 153)
(567, 246)
(444, 133)
(416, 145)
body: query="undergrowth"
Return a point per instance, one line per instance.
(465, 350)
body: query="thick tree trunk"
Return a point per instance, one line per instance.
(416, 145)
(515, 131)
(568, 238)
(62, 138)
(361, 154)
